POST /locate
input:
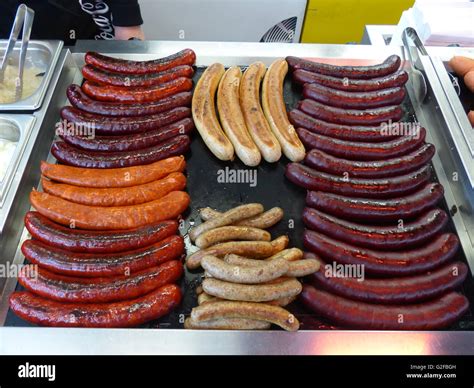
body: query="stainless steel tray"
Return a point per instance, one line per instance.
(42, 55)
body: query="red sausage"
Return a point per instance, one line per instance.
(389, 66)
(397, 79)
(436, 314)
(399, 263)
(362, 151)
(131, 142)
(138, 94)
(377, 209)
(75, 240)
(344, 132)
(82, 101)
(322, 161)
(117, 65)
(97, 290)
(73, 156)
(127, 313)
(102, 77)
(351, 116)
(102, 264)
(353, 100)
(102, 125)
(401, 290)
(398, 236)
(356, 187)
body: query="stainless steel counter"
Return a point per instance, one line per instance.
(36, 340)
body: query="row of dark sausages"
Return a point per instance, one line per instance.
(371, 203)
(105, 248)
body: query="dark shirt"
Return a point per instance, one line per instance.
(70, 20)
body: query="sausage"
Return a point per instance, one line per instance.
(389, 66)
(230, 216)
(73, 156)
(291, 254)
(279, 244)
(102, 77)
(98, 290)
(91, 124)
(257, 124)
(397, 79)
(82, 101)
(402, 290)
(138, 94)
(222, 270)
(205, 116)
(377, 209)
(322, 161)
(117, 65)
(399, 263)
(357, 187)
(436, 314)
(232, 118)
(354, 100)
(251, 292)
(362, 151)
(344, 132)
(114, 177)
(331, 114)
(227, 324)
(121, 196)
(300, 268)
(262, 221)
(230, 233)
(255, 249)
(95, 264)
(54, 235)
(398, 236)
(113, 217)
(127, 313)
(246, 310)
(275, 111)
(130, 142)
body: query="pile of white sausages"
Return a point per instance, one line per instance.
(248, 277)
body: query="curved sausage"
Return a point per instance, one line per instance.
(138, 94)
(98, 290)
(130, 142)
(322, 161)
(354, 100)
(344, 132)
(117, 65)
(397, 79)
(120, 196)
(437, 314)
(88, 265)
(331, 114)
(398, 236)
(73, 156)
(408, 262)
(109, 218)
(356, 187)
(102, 77)
(377, 209)
(75, 240)
(389, 66)
(82, 101)
(127, 313)
(362, 151)
(114, 177)
(402, 290)
(91, 124)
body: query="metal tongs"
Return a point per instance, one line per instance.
(23, 18)
(419, 82)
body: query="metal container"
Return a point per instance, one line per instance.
(42, 55)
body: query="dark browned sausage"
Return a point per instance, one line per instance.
(370, 169)
(82, 101)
